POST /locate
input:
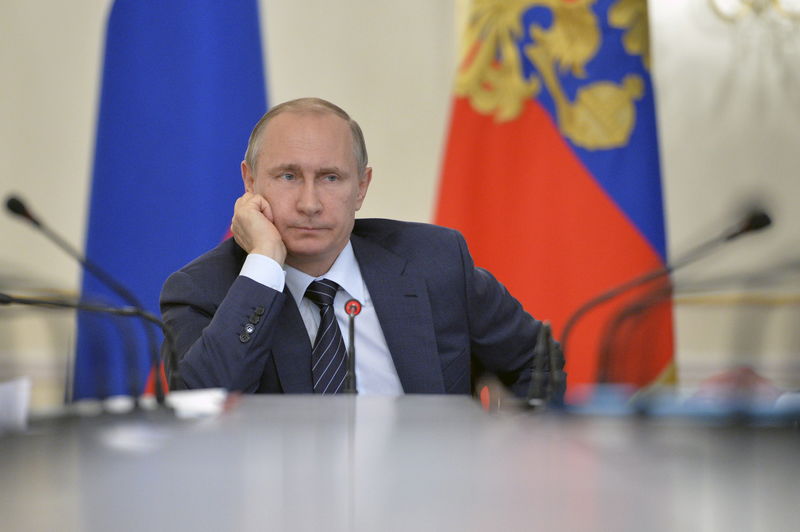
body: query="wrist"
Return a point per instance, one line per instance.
(264, 270)
(275, 252)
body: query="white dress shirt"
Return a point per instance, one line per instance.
(375, 371)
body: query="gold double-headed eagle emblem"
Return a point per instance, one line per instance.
(603, 113)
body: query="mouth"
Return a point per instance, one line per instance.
(307, 228)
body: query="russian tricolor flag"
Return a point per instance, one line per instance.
(552, 171)
(182, 85)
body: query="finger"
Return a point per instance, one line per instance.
(240, 202)
(266, 209)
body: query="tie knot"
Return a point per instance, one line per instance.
(322, 292)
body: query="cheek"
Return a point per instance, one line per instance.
(281, 214)
(259, 188)
(352, 199)
(343, 207)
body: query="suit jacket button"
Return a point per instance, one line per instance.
(255, 318)
(249, 328)
(244, 337)
(259, 311)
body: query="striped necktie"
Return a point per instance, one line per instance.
(328, 356)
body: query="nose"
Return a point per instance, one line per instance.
(308, 203)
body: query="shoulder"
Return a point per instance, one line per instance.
(393, 233)
(431, 251)
(218, 266)
(227, 254)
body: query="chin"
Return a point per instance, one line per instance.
(312, 251)
(307, 251)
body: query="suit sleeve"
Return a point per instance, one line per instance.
(502, 334)
(220, 344)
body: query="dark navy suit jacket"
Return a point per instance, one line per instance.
(441, 316)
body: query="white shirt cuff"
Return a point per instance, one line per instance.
(264, 270)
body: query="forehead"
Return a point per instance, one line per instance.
(307, 137)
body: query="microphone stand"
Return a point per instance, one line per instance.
(6, 299)
(631, 310)
(739, 407)
(17, 207)
(664, 292)
(755, 220)
(548, 380)
(353, 309)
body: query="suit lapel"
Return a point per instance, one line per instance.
(404, 312)
(291, 349)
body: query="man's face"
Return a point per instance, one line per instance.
(306, 170)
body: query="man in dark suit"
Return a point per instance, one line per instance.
(264, 311)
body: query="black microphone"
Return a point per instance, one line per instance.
(353, 309)
(17, 207)
(755, 220)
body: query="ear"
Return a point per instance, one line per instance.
(247, 177)
(363, 185)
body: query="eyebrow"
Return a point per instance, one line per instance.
(284, 168)
(295, 168)
(331, 170)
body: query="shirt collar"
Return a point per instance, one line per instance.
(344, 272)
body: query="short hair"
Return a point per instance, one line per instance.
(308, 105)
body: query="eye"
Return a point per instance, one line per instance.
(287, 176)
(331, 178)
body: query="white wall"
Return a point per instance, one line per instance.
(728, 101)
(50, 54)
(390, 65)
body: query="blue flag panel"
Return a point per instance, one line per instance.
(182, 85)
